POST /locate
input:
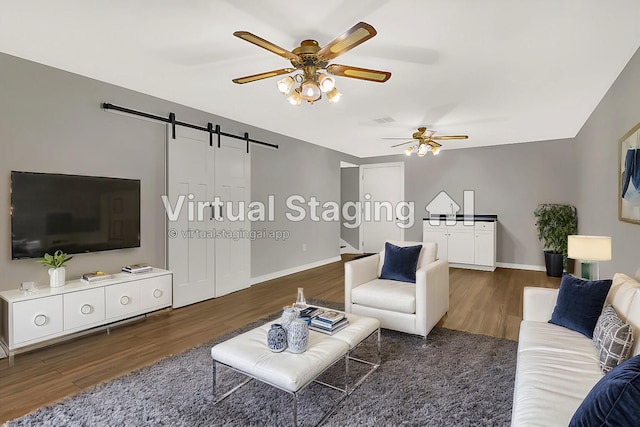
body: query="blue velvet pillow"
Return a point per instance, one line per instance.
(614, 400)
(400, 262)
(580, 303)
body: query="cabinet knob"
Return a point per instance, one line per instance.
(86, 309)
(40, 320)
(157, 293)
(125, 300)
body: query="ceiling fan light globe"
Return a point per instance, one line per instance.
(294, 98)
(310, 91)
(286, 85)
(435, 151)
(334, 96)
(326, 82)
(408, 151)
(423, 149)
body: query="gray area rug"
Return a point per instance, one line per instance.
(460, 379)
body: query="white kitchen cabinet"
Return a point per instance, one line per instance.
(465, 246)
(485, 244)
(29, 319)
(460, 245)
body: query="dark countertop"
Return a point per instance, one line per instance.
(478, 218)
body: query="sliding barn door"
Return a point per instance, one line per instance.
(233, 244)
(190, 251)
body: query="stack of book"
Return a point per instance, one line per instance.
(96, 276)
(328, 322)
(137, 268)
(309, 312)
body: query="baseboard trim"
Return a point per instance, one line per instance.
(472, 267)
(521, 266)
(288, 271)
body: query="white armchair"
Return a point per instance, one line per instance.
(401, 306)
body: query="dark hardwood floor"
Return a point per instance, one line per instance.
(481, 302)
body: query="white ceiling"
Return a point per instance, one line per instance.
(500, 71)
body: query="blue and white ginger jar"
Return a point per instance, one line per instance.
(277, 338)
(298, 336)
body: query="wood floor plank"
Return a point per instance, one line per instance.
(481, 302)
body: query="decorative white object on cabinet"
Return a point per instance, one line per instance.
(33, 318)
(465, 246)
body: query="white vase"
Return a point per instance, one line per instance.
(288, 315)
(298, 336)
(56, 277)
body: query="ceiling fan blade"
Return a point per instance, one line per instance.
(254, 77)
(358, 73)
(434, 144)
(394, 137)
(259, 41)
(403, 143)
(359, 33)
(450, 137)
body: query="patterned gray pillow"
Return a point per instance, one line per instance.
(613, 339)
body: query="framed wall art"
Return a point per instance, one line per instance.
(629, 173)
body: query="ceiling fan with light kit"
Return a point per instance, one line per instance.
(424, 142)
(312, 71)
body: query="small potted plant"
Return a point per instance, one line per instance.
(55, 263)
(555, 223)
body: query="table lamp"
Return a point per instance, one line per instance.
(589, 250)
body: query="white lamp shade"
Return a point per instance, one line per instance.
(589, 248)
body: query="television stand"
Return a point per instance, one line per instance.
(47, 315)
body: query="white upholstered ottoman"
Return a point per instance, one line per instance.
(248, 354)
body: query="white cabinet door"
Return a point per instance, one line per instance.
(122, 299)
(233, 187)
(37, 318)
(155, 292)
(461, 247)
(83, 308)
(485, 249)
(439, 235)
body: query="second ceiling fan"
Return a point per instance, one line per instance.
(424, 142)
(313, 61)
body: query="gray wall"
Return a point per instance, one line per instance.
(508, 180)
(51, 121)
(596, 155)
(349, 192)
(300, 169)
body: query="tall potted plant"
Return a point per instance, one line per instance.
(554, 223)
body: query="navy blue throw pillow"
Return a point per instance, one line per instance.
(400, 262)
(580, 303)
(614, 400)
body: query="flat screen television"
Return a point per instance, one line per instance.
(73, 213)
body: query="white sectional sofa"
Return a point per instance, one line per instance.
(557, 367)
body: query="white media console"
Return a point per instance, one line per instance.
(33, 318)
